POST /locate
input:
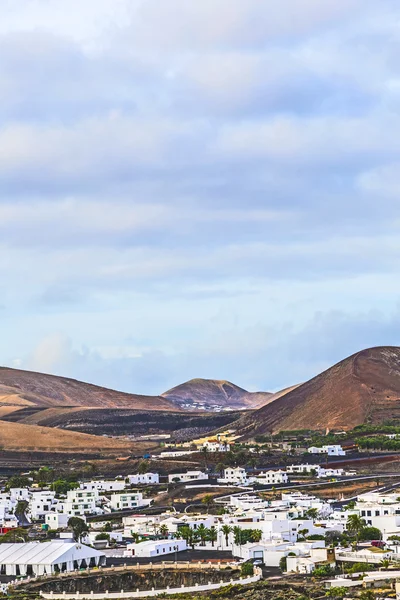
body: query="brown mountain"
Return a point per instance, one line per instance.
(212, 392)
(26, 388)
(362, 388)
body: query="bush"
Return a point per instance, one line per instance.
(247, 569)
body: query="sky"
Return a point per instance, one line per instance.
(198, 189)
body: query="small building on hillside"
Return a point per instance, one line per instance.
(127, 500)
(144, 479)
(57, 520)
(330, 450)
(188, 476)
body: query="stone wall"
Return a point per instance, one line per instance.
(132, 580)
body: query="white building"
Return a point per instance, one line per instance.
(216, 446)
(114, 485)
(269, 478)
(188, 476)
(41, 503)
(81, 502)
(128, 500)
(56, 520)
(35, 558)
(141, 524)
(330, 450)
(303, 468)
(155, 548)
(234, 476)
(144, 479)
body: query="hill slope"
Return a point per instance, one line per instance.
(17, 436)
(362, 388)
(26, 388)
(212, 392)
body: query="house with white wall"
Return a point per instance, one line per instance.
(329, 449)
(152, 548)
(187, 476)
(126, 500)
(144, 479)
(56, 520)
(81, 502)
(234, 476)
(269, 477)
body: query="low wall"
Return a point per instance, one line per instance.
(153, 592)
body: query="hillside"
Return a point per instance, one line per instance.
(213, 393)
(26, 388)
(17, 436)
(362, 388)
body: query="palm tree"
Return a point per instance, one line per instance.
(212, 535)
(208, 500)
(163, 531)
(202, 533)
(385, 564)
(355, 524)
(226, 530)
(256, 535)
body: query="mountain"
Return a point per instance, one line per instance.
(212, 393)
(26, 388)
(364, 388)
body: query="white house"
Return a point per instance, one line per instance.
(216, 446)
(127, 500)
(303, 468)
(269, 477)
(188, 476)
(36, 558)
(81, 502)
(40, 503)
(234, 476)
(56, 520)
(114, 485)
(141, 524)
(144, 479)
(330, 450)
(155, 548)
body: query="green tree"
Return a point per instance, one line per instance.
(208, 500)
(212, 535)
(226, 530)
(163, 531)
(202, 532)
(79, 527)
(370, 533)
(246, 569)
(283, 564)
(18, 481)
(103, 536)
(256, 535)
(355, 524)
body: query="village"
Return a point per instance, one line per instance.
(266, 523)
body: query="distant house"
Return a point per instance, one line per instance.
(235, 476)
(188, 476)
(330, 450)
(144, 478)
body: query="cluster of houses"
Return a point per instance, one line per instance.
(292, 528)
(90, 498)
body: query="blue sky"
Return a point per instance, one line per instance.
(198, 189)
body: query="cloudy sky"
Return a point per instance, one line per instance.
(198, 188)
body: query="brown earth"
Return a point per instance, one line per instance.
(38, 389)
(215, 392)
(364, 388)
(17, 436)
